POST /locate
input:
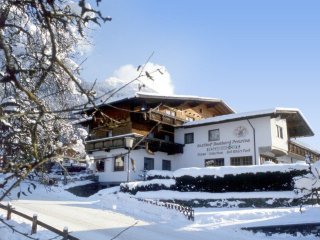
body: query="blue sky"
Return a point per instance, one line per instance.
(253, 54)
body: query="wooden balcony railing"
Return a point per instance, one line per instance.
(301, 151)
(105, 144)
(164, 118)
(153, 145)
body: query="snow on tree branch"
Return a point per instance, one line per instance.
(41, 46)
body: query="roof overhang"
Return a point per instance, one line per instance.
(296, 123)
(145, 97)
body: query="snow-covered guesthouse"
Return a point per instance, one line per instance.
(250, 138)
(150, 121)
(151, 131)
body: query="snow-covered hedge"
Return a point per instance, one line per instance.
(151, 185)
(159, 174)
(271, 177)
(237, 170)
(277, 177)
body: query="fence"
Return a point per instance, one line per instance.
(35, 222)
(186, 211)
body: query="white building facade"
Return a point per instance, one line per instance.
(252, 138)
(119, 166)
(229, 141)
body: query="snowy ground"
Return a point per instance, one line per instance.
(106, 215)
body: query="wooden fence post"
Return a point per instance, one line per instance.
(9, 209)
(34, 224)
(65, 233)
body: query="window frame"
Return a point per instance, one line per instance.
(188, 140)
(214, 135)
(100, 165)
(242, 161)
(279, 131)
(167, 161)
(217, 162)
(118, 168)
(144, 163)
(189, 119)
(170, 112)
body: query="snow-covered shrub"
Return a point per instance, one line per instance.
(239, 179)
(159, 174)
(152, 185)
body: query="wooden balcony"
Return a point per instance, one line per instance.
(164, 118)
(153, 145)
(301, 151)
(104, 144)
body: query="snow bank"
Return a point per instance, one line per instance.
(159, 173)
(134, 185)
(235, 170)
(172, 195)
(155, 222)
(23, 226)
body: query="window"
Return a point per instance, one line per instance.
(264, 158)
(100, 165)
(188, 138)
(119, 163)
(109, 133)
(214, 162)
(279, 132)
(148, 163)
(240, 161)
(214, 135)
(170, 112)
(166, 165)
(190, 119)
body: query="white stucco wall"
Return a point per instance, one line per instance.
(109, 175)
(279, 143)
(291, 158)
(231, 143)
(238, 138)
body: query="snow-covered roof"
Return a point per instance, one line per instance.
(234, 116)
(279, 111)
(157, 96)
(173, 97)
(169, 97)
